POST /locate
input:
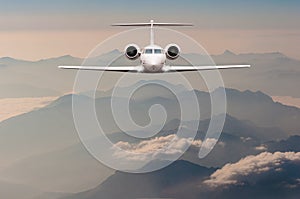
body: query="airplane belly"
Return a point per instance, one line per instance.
(153, 68)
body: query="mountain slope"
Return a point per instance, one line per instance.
(266, 175)
(48, 135)
(149, 185)
(13, 191)
(52, 127)
(71, 169)
(272, 73)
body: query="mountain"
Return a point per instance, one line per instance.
(276, 175)
(38, 78)
(46, 138)
(77, 160)
(9, 190)
(290, 144)
(247, 129)
(21, 90)
(42, 149)
(55, 122)
(260, 109)
(272, 73)
(12, 191)
(256, 107)
(147, 185)
(9, 61)
(68, 170)
(225, 151)
(247, 105)
(36, 132)
(52, 127)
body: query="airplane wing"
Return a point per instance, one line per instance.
(105, 68)
(196, 68)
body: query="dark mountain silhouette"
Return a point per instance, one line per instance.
(148, 185)
(290, 144)
(53, 126)
(185, 180)
(50, 132)
(260, 109)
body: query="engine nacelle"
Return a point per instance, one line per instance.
(132, 51)
(172, 51)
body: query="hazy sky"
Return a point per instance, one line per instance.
(35, 29)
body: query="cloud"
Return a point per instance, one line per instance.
(287, 100)
(261, 148)
(209, 143)
(11, 107)
(164, 146)
(246, 139)
(238, 172)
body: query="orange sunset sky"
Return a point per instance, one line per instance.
(34, 30)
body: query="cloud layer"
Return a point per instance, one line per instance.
(240, 171)
(11, 107)
(164, 146)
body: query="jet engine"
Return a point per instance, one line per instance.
(172, 51)
(132, 51)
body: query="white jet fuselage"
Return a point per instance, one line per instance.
(153, 59)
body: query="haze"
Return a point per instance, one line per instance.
(34, 30)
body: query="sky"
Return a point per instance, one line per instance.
(37, 29)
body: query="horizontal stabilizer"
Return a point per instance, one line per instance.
(152, 24)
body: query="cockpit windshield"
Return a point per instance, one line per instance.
(157, 51)
(148, 51)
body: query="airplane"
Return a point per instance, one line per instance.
(152, 57)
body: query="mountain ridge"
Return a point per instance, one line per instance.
(114, 51)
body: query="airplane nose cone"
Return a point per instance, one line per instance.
(154, 62)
